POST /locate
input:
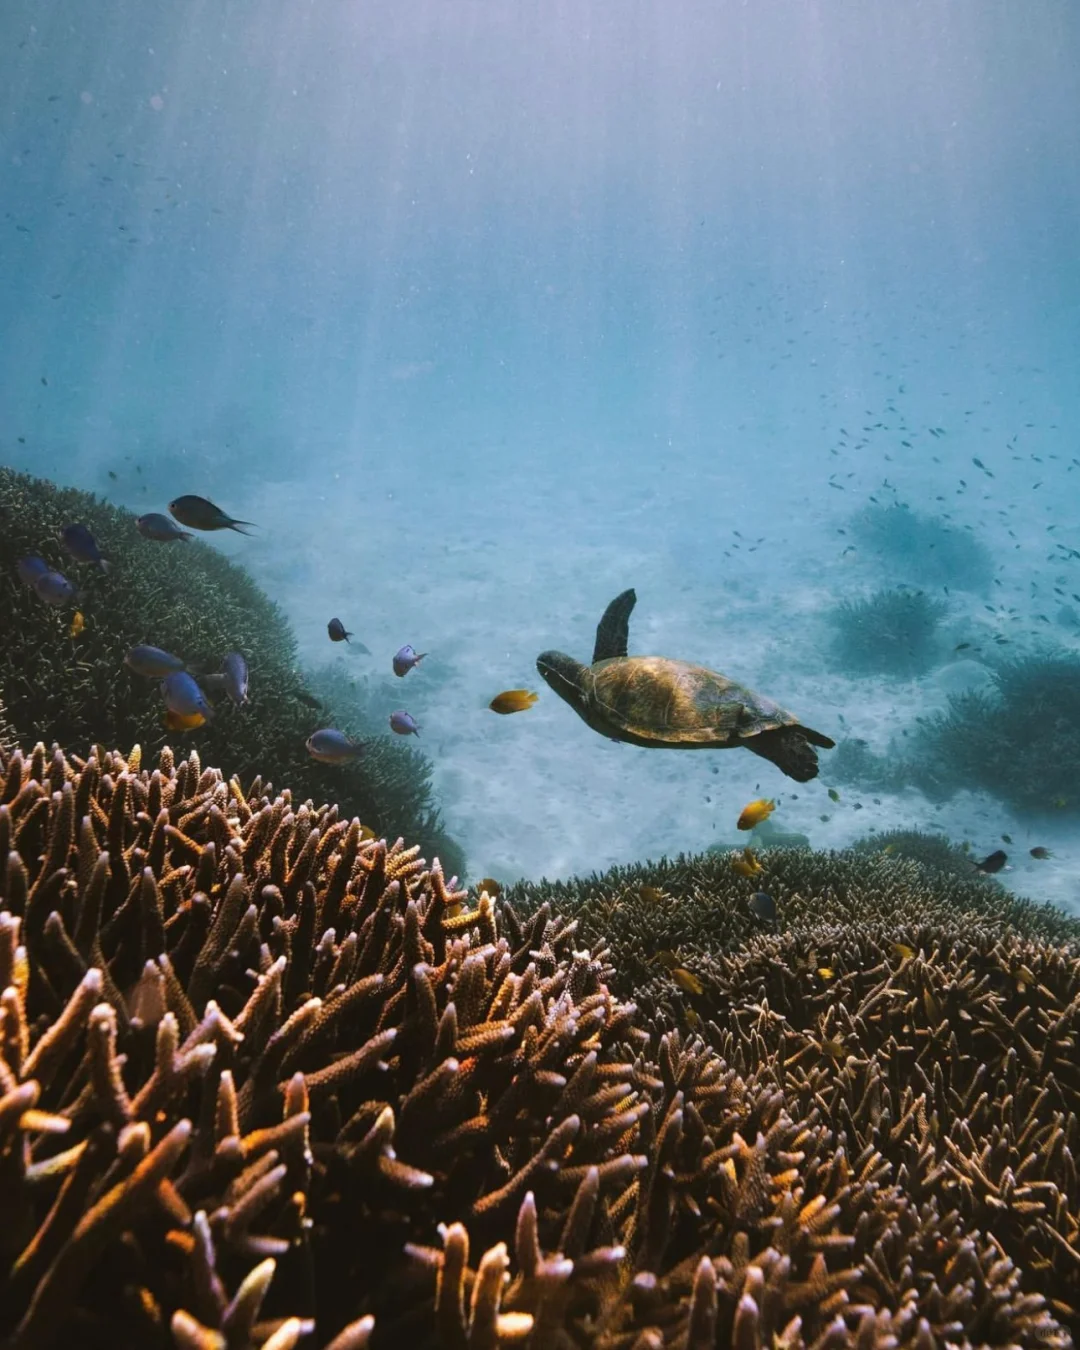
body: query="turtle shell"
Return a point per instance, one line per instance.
(659, 701)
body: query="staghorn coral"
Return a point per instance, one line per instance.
(934, 851)
(191, 600)
(260, 1077)
(892, 632)
(922, 549)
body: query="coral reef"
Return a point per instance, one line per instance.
(923, 550)
(893, 632)
(261, 1077)
(189, 599)
(935, 851)
(1021, 742)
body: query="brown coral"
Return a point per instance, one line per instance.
(260, 1079)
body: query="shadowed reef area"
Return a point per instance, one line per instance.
(264, 1079)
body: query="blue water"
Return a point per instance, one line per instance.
(485, 312)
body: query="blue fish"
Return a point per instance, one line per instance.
(405, 659)
(82, 546)
(235, 670)
(184, 697)
(30, 568)
(54, 588)
(153, 662)
(160, 528)
(330, 746)
(404, 723)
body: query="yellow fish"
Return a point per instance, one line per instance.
(826, 973)
(687, 981)
(694, 1020)
(903, 951)
(747, 865)
(834, 1048)
(666, 959)
(366, 833)
(182, 721)
(755, 813)
(652, 894)
(513, 700)
(834, 796)
(490, 885)
(78, 623)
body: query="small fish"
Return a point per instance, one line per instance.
(160, 528)
(763, 906)
(961, 646)
(366, 833)
(889, 848)
(337, 632)
(1060, 802)
(153, 662)
(235, 670)
(513, 700)
(834, 796)
(181, 722)
(329, 746)
(651, 894)
(183, 696)
(82, 546)
(993, 862)
(404, 723)
(687, 981)
(405, 659)
(78, 623)
(755, 813)
(54, 588)
(309, 700)
(490, 885)
(30, 568)
(1040, 852)
(669, 960)
(833, 1047)
(902, 950)
(199, 514)
(826, 973)
(1006, 838)
(694, 1021)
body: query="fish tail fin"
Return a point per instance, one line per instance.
(238, 524)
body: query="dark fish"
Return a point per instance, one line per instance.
(235, 670)
(199, 514)
(763, 906)
(337, 632)
(405, 659)
(330, 746)
(993, 862)
(54, 588)
(1040, 852)
(159, 528)
(404, 724)
(184, 697)
(153, 662)
(82, 546)
(30, 568)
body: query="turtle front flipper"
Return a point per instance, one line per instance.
(789, 750)
(613, 630)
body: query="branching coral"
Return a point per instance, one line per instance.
(191, 600)
(261, 1077)
(923, 550)
(893, 632)
(934, 851)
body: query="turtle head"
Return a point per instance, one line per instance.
(569, 678)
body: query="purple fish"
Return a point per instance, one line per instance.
(54, 588)
(235, 671)
(82, 546)
(30, 568)
(184, 697)
(337, 632)
(405, 659)
(330, 746)
(159, 528)
(404, 723)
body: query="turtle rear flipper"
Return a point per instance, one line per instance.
(789, 749)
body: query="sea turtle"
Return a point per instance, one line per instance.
(656, 701)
